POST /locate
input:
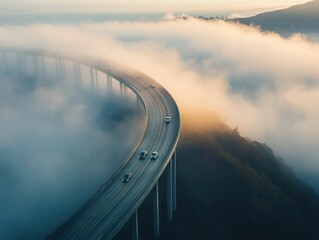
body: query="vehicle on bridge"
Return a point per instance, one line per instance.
(143, 154)
(154, 155)
(127, 177)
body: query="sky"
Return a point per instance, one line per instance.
(146, 5)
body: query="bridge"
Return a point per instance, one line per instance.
(115, 203)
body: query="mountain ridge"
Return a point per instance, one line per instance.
(230, 187)
(302, 18)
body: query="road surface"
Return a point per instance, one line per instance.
(112, 206)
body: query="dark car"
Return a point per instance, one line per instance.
(127, 177)
(168, 119)
(143, 154)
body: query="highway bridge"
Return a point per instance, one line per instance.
(107, 211)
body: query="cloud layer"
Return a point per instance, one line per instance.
(58, 144)
(266, 85)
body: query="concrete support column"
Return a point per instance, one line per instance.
(58, 69)
(169, 191)
(96, 79)
(109, 84)
(92, 78)
(174, 180)
(79, 72)
(121, 89)
(156, 211)
(63, 68)
(135, 227)
(125, 92)
(75, 71)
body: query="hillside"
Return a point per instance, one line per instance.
(302, 18)
(233, 188)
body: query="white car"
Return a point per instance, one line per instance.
(152, 85)
(154, 155)
(168, 119)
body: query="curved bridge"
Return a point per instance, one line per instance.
(116, 202)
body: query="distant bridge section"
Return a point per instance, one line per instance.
(106, 212)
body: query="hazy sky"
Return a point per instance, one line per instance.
(155, 5)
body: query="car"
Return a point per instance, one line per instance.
(143, 154)
(127, 177)
(168, 119)
(154, 155)
(152, 85)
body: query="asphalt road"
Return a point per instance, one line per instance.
(109, 209)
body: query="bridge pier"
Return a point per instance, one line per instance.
(156, 211)
(39, 66)
(92, 78)
(63, 68)
(109, 84)
(174, 181)
(135, 227)
(77, 72)
(125, 92)
(96, 79)
(59, 65)
(169, 174)
(121, 89)
(57, 68)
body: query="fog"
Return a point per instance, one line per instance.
(266, 85)
(59, 143)
(313, 37)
